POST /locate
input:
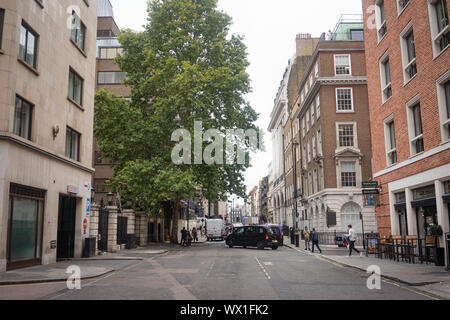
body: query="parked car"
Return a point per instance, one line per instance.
(278, 231)
(253, 236)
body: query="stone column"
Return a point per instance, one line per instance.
(395, 224)
(411, 214)
(141, 228)
(131, 223)
(93, 224)
(112, 229)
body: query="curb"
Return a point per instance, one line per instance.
(416, 284)
(31, 281)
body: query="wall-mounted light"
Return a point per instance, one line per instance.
(55, 131)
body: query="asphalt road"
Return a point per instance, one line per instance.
(211, 270)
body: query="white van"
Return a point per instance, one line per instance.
(215, 229)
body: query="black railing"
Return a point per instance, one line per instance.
(335, 238)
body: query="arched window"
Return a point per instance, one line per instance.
(350, 215)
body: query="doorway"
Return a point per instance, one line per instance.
(150, 233)
(66, 227)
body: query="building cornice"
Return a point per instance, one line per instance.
(29, 145)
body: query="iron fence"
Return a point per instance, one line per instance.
(332, 238)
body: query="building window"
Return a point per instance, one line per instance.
(391, 147)
(303, 127)
(309, 152)
(72, 144)
(318, 106)
(78, 32)
(346, 135)
(385, 73)
(439, 24)
(316, 70)
(307, 120)
(75, 87)
(408, 53)
(348, 174)
(312, 114)
(415, 129)
(304, 157)
(109, 53)
(22, 118)
(380, 17)
(314, 147)
(111, 77)
(344, 97)
(2, 18)
(28, 45)
(342, 65)
(319, 141)
(443, 90)
(401, 5)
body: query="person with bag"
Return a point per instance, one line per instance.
(307, 236)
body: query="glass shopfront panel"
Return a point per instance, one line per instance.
(426, 216)
(25, 220)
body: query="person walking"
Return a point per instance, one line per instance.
(315, 240)
(183, 236)
(352, 239)
(194, 234)
(307, 235)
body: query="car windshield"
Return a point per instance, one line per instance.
(275, 230)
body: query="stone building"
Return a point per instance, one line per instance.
(408, 60)
(305, 46)
(334, 145)
(46, 125)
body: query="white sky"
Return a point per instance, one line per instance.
(269, 28)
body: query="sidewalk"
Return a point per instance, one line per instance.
(429, 278)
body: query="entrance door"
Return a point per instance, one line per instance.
(151, 230)
(66, 227)
(159, 233)
(25, 221)
(426, 216)
(103, 229)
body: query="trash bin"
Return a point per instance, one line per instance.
(131, 241)
(89, 247)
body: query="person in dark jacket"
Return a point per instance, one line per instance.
(183, 236)
(315, 240)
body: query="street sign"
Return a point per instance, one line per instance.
(371, 191)
(370, 184)
(85, 224)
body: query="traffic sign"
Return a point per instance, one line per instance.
(85, 224)
(371, 191)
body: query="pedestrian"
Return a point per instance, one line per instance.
(315, 240)
(352, 239)
(183, 236)
(307, 238)
(329, 36)
(194, 234)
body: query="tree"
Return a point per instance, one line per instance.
(183, 68)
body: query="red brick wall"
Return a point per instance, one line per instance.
(424, 84)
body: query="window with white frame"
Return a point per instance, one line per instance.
(439, 25)
(318, 106)
(344, 99)
(314, 147)
(316, 187)
(348, 174)
(346, 135)
(306, 88)
(309, 152)
(408, 53)
(342, 64)
(443, 93)
(385, 76)
(310, 80)
(310, 183)
(302, 98)
(415, 126)
(380, 17)
(303, 127)
(312, 114)
(319, 141)
(401, 5)
(304, 156)
(391, 146)
(307, 120)
(316, 70)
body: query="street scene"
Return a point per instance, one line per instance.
(224, 150)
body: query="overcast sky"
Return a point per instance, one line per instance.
(269, 28)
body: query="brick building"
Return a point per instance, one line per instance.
(334, 142)
(408, 63)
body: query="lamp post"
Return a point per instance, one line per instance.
(110, 196)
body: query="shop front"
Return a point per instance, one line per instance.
(424, 205)
(25, 226)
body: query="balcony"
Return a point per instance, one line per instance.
(350, 27)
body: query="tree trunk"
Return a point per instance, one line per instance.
(175, 218)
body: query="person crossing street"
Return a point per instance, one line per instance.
(315, 240)
(352, 239)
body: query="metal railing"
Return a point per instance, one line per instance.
(332, 238)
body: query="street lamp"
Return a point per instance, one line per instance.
(110, 198)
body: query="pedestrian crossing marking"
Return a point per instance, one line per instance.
(268, 263)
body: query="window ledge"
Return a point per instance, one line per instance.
(386, 101)
(79, 49)
(441, 52)
(28, 67)
(76, 104)
(381, 39)
(411, 79)
(416, 155)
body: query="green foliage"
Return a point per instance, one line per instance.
(436, 230)
(183, 68)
